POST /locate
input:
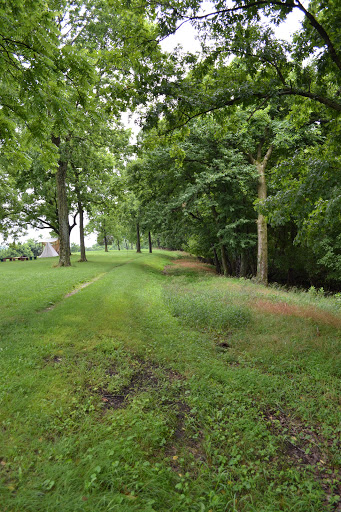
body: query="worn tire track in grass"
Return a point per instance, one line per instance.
(113, 403)
(84, 285)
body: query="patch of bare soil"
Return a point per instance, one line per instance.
(53, 360)
(144, 378)
(223, 345)
(306, 447)
(189, 263)
(282, 308)
(140, 380)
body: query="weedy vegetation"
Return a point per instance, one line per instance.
(153, 390)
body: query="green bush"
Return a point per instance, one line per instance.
(14, 250)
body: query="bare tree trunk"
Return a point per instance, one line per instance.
(63, 213)
(150, 242)
(243, 267)
(138, 243)
(106, 244)
(262, 227)
(216, 261)
(224, 260)
(262, 253)
(118, 245)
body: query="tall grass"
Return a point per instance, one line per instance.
(205, 308)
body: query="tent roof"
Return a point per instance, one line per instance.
(48, 251)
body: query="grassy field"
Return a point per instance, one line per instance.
(163, 387)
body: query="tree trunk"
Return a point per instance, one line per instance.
(262, 227)
(243, 265)
(224, 260)
(138, 243)
(150, 242)
(262, 230)
(106, 244)
(216, 261)
(81, 231)
(118, 245)
(63, 213)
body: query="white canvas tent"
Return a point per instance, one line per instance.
(48, 252)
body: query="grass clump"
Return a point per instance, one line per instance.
(205, 308)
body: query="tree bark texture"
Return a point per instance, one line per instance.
(138, 243)
(63, 211)
(150, 242)
(262, 226)
(262, 229)
(106, 244)
(243, 265)
(216, 261)
(118, 245)
(224, 260)
(63, 216)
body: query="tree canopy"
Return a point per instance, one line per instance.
(239, 148)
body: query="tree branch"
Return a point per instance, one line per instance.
(321, 99)
(259, 149)
(323, 34)
(311, 18)
(281, 92)
(250, 158)
(267, 155)
(261, 3)
(46, 224)
(195, 216)
(74, 222)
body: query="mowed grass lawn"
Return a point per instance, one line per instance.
(165, 389)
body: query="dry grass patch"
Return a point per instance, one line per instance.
(189, 263)
(309, 312)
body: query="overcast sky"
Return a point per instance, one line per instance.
(186, 37)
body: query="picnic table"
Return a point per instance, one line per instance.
(13, 258)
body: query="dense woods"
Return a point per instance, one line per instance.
(238, 157)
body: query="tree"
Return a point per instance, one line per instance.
(198, 192)
(275, 68)
(307, 197)
(90, 68)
